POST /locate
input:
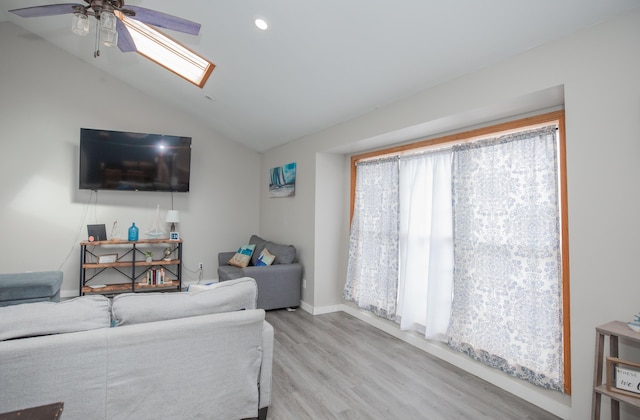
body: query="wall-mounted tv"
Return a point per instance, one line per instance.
(116, 160)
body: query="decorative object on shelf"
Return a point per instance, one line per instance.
(115, 233)
(635, 324)
(173, 217)
(133, 232)
(167, 254)
(148, 256)
(107, 258)
(283, 181)
(156, 229)
(96, 233)
(623, 377)
(156, 277)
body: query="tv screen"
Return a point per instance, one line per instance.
(115, 160)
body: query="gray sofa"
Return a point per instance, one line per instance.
(16, 288)
(279, 284)
(205, 355)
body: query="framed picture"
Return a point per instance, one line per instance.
(107, 258)
(174, 236)
(623, 377)
(282, 181)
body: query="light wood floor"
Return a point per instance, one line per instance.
(335, 366)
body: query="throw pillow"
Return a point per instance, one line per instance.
(265, 258)
(243, 256)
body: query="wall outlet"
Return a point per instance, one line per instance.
(200, 266)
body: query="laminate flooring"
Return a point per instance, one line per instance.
(335, 366)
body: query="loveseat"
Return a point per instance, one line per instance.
(279, 284)
(205, 354)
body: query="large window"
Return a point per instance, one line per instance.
(471, 231)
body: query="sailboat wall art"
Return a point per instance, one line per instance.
(283, 181)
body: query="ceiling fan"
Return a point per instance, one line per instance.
(128, 28)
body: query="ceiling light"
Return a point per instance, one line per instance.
(261, 24)
(80, 24)
(108, 33)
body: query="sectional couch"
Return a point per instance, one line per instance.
(192, 355)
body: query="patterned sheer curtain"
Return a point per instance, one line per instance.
(372, 271)
(507, 306)
(426, 244)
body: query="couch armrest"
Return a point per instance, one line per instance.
(224, 257)
(267, 365)
(30, 287)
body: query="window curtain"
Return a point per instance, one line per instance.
(372, 270)
(507, 301)
(426, 244)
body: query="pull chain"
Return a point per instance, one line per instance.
(96, 51)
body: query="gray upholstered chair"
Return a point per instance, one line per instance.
(279, 284)
(30, 287)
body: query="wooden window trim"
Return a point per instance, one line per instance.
(556, 117)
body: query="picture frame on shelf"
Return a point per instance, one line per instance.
(107, 258)
(623, 377)
(174, 236)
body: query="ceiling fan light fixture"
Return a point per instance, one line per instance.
(108, 33)
(80, 24)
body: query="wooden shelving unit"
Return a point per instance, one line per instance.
(616, 331)
(131, 264)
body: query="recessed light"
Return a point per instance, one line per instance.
(261, 24)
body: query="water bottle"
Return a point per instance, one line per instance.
(133, 232)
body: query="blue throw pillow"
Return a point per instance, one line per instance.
(243, 256)
(265, 258)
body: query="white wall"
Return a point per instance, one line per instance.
(46, 96)
(285, 213)
(598, 69)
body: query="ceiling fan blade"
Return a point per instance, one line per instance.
(163, 20)
(125, 42)
(48, 10)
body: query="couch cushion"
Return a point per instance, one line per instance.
(229, 272)
(243, 256)
(266, 258)
(285, 254)
(44, 318)
(259, 243)
(137, 308)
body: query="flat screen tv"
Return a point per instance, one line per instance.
(116, 160)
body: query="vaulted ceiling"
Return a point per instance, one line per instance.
(321, 63)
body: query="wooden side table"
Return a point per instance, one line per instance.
(614, 330)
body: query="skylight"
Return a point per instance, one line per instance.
(168, 53)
